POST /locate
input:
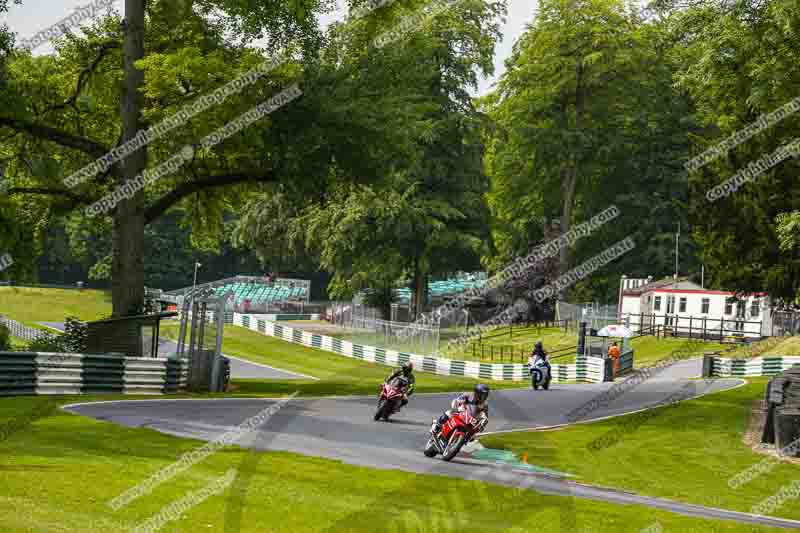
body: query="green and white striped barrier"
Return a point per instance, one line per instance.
(65, 373)
(759, 366)
(591, 369)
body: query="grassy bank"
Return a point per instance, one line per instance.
(687, 452)
(31, 305)
(59, 472)
(336, 374)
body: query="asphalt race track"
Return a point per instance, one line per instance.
(342, 428)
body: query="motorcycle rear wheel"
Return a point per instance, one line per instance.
(453, 448)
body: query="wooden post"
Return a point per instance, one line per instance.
(691, 318)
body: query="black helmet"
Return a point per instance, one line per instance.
(481, 393)
(408, 368)
(538, 346)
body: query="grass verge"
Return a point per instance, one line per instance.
(686, 452)
(59, 472)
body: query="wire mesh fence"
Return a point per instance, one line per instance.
(784, 323)
(362, 324)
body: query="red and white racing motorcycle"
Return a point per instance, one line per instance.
(455, 433)
(391, 397)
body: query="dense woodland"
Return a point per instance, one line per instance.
(387, 171)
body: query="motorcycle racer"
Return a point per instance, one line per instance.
(479, 398)
(407, 371)
(538, 353)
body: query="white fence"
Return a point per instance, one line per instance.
(21, 331)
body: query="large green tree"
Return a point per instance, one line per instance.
(740, 60)
(60, 112)
(584, 118)
(417, 208)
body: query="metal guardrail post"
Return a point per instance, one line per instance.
(581, 348)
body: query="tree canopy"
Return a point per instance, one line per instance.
(386, 171)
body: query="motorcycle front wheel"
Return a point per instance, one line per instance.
(536, 377)
(389, 409)
(430, 449)
(381, 407)
(454, 447)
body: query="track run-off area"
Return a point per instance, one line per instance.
(342, 428)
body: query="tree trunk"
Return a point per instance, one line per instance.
(415, 295)
(420, 288)
(127, 286)
(569, 175)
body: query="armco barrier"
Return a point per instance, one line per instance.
(61, 373)
(591, 369)
(759, 366)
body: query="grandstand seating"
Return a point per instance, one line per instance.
(260, 293)
(254, 289)
(439, 289)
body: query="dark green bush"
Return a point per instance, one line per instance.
(5, 339)
(48, 342)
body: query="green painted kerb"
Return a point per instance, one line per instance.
(508, 458)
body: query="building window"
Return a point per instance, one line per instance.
(754, 308)
(729, 306)
(706, 302)
(657, 305)
(682, 305)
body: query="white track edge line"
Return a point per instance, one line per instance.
(556, 426)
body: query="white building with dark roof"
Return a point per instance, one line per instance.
(684, 308)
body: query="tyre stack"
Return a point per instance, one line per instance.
(782, 426)
(152, 304)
